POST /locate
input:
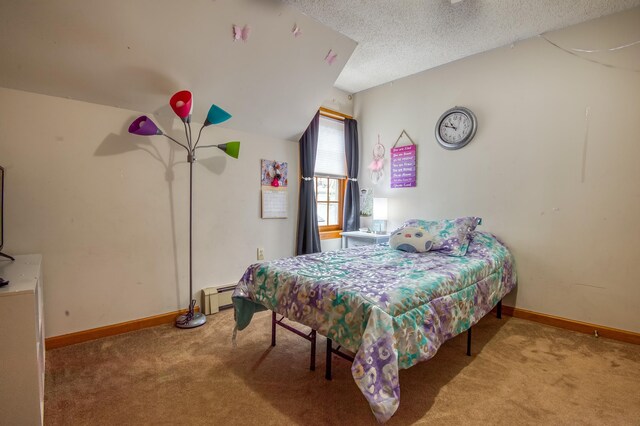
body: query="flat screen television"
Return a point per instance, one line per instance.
(1, 204)
(1, 214)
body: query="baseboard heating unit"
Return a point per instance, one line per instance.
(217, 298)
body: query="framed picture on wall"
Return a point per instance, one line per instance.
(366, 202)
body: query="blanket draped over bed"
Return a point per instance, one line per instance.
(392, 308)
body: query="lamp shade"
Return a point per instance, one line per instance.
(143, 126)
(380, 209)
(216, 115)
(182, 104)
(232, 149)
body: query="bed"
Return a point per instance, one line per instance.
(391, 308)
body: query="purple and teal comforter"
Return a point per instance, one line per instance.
(392, 308)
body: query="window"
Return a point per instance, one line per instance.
(329, 199)
(330, 176)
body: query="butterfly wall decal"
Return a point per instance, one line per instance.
(241, 33)
(296, 30)
(331, 57)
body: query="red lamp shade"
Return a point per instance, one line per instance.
(182, 104)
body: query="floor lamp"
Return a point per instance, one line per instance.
(182, 105)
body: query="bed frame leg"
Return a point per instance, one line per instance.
(273, 328)
(469, 342)
(312, 365)
(327, 374)
(499, 311)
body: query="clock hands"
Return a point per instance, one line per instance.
(451, 127)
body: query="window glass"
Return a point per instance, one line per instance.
(321, 189)
(333, 214)
(322, 214)
(334, 189)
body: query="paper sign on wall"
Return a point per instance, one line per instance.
(274, 203)
(403, 164)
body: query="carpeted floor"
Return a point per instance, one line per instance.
(520, 373)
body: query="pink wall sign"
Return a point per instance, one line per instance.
(403, 166)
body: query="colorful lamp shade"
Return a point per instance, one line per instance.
(143, 126)
(232, 149)
(182, 104)
(216, 115)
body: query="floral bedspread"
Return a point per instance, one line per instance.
(392, 308)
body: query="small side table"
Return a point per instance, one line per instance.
(359, 238)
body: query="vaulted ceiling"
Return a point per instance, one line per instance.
(402, 37)
(136, 54)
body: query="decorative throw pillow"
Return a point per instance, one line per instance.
(450, 236)
(411, 239)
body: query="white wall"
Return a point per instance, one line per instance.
(109, 210)
(339, 100)
(562, 190)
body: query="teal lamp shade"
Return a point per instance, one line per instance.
(143, 126)
(182, 104)
(232, 149)
(216, 115)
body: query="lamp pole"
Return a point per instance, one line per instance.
(191, 319)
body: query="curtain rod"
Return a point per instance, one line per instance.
(333, 114)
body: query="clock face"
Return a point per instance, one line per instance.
(456, 128)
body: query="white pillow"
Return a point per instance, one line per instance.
(411, 239)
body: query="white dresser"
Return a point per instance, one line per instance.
(21, 342)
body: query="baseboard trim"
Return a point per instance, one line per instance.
(112, 330)
(139, 324)
(579, 326)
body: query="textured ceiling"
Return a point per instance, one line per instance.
(136, 54)
(402, 37)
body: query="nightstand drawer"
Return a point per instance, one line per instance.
(355, 242)
(357, 238)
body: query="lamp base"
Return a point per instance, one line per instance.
(197, 319)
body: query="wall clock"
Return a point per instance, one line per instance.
(456, 127)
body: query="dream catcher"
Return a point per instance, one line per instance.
(377, 165)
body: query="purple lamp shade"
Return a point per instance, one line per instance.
(143, 126)
(181, 103)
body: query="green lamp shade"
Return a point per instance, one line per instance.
(232, 149)
(216, 115)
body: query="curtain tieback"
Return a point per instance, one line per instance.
(307, 178)
(353, 179)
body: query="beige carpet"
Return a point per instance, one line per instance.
(520, 373)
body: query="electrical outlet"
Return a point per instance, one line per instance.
(260, 253)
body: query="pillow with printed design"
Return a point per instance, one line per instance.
(449, 236)
(411, 239)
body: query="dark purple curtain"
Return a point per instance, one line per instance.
(308, 234)
(351, 218)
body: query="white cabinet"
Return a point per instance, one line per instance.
(21, 342)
